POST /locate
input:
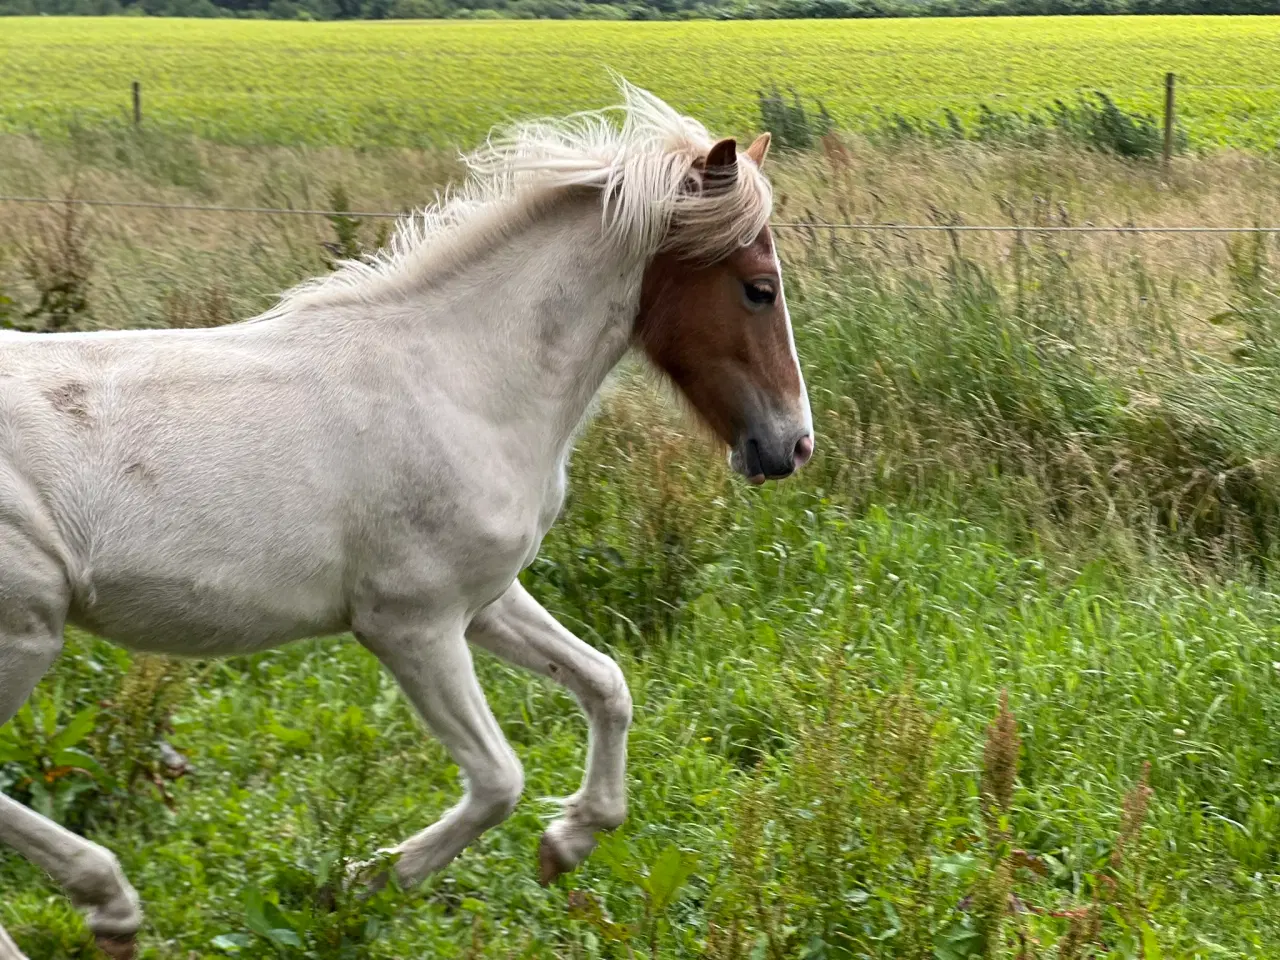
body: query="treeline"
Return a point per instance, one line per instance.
(623, 9)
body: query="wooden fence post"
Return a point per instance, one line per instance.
(1169, 120)
(137, 104)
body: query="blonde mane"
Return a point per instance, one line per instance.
(641, 168)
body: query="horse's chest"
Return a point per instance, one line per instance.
(502, 531)
(548, 510)
(552, 502)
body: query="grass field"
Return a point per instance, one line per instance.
(421, 83)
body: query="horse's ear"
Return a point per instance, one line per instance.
(722, 161)
(759, 149)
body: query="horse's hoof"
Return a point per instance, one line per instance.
(118, 948)
(369, 877)
(549, 865)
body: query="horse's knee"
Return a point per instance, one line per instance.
(611, 696)
(93, 879)
(604, 809)
(92, 875)
(496, 797)
(607, 815)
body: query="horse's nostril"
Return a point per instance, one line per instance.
(804, 450)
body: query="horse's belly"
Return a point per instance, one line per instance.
(205, 616)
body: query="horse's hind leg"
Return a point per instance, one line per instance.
(32, 607)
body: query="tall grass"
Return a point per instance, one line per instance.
(1004, 389)
(995, 676)
(1093, 121)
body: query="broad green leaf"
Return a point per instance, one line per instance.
(24, 723)
(254, 916)
(275, 918)
(324, 869)
(47, 717)
(286, 936)
(81, 726)
(289, 736)
(13, 752)
(621, 860)
(41, 799)
(668, 874)
(78, 758)
(231, 942)
(962, 866)
(1150, 944)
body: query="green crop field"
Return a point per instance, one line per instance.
(436, 82)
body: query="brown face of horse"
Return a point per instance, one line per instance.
(723, 335)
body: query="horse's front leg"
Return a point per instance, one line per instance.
(433, 667)
(517, 628)
(8, 949)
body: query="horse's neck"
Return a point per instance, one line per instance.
(532, 330)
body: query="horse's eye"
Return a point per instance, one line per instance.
(760, 292)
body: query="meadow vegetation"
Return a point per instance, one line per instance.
(997, 676)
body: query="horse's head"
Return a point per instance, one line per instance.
(721, 331)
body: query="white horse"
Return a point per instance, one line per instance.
(383, 451)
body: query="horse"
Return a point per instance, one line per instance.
(381, 452)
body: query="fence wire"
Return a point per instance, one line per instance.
(204, 208)
(783, 224)
(110, 100)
